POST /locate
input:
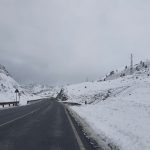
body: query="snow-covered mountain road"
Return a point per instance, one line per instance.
(41, 126)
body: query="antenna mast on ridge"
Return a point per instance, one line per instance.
(131, 67)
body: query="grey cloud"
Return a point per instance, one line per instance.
(58, 42)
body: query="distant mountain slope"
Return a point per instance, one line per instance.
(8, 86)
(42, 90)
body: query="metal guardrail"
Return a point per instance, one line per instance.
(33, 101)
(9, 103)
(72, 103)
(38, 100)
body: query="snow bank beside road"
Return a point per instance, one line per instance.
(124, 121)
(122, 117)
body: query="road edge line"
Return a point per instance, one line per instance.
(79, 141)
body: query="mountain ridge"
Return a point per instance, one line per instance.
(8, 86)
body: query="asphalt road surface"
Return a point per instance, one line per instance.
(41, 126)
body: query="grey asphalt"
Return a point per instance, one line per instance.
(45, 127)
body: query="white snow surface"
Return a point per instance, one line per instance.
(42, 90)
(118, 110)
(8, 86)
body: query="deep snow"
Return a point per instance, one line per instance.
(117, 110)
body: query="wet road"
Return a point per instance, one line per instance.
(40, 126)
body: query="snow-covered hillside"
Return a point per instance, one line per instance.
(118, 108)
(8, 86)
(42, 90)
(141, 68)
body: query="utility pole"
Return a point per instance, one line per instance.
(131, 67)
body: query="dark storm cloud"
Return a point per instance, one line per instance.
(63, 41)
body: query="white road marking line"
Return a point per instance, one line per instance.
(19, 117)
(75, 132)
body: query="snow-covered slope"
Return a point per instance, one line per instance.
(42, 90)
(138, 69)
(8, 86)
(118, 108)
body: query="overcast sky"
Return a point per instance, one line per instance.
(65, 41)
